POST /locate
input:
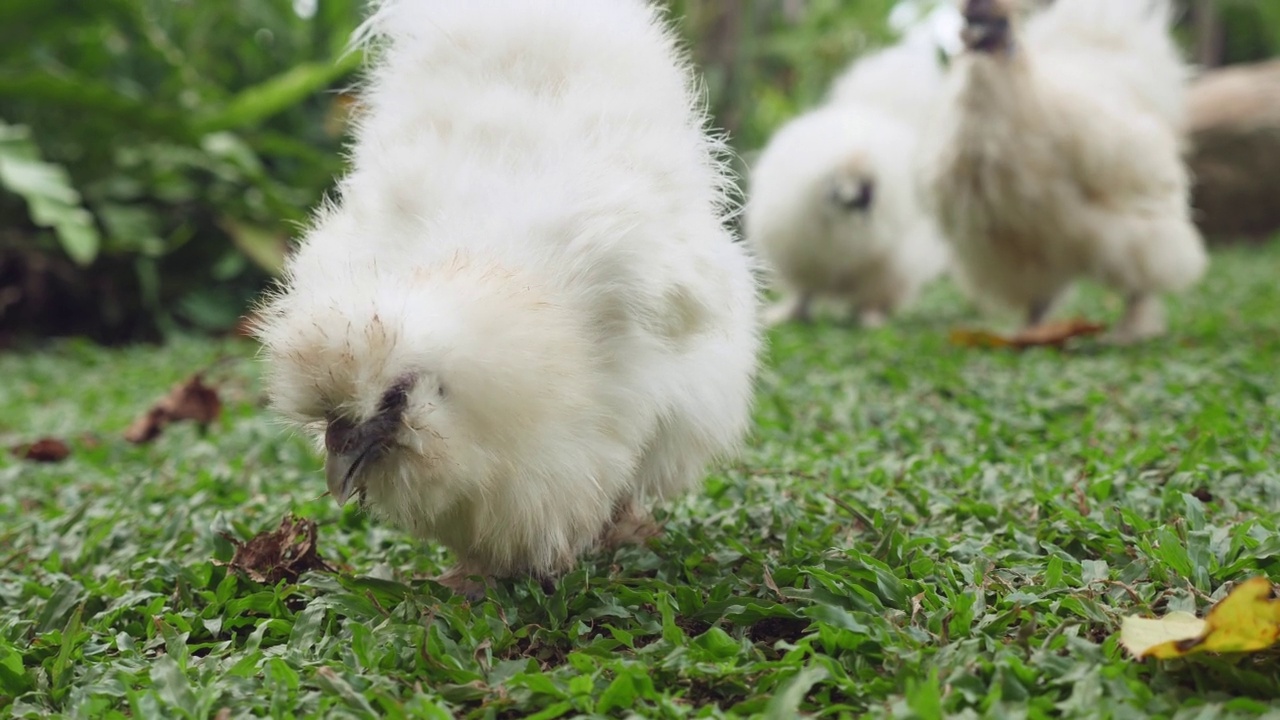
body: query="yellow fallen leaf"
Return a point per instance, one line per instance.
(1141, 636)
(1247, 619)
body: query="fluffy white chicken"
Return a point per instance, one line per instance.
(523, 319)
(833, 208)
(1057, 156)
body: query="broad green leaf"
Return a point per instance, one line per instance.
(80, 94)
(13, 676)
(785, 704)
(278, 671)
(64, 598)
(131, 228)
(718, 643)
(334, 684)
(925, 697)
(631, 685)
(46, 187)
(172, 686)
(80, 239)
(307, 626)
(267, 248)
(258, 103)
(70, 637)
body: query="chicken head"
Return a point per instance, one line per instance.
(988, 26)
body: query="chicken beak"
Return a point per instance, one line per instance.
(341, 471)
(337, 473)
(986, 35)
(987, 27)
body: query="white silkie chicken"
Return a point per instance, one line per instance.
(1056, 156)
(833, 208)
(523, 319)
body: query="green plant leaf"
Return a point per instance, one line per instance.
(172, 686)
(99, 98)
(267, 248)
(785, 703)
(13, 676)
(255, 104)
(46, 187)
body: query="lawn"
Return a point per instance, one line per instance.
(915, 530)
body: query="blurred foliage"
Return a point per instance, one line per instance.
(1251, 29)
(163, 150)
(764, 60)
(156, 155)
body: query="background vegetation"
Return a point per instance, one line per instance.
(916, 531)
(156, 155)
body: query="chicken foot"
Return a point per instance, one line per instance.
(1037, 313)
(1143, 319)
(466, 580)
(631, 524)
(794, 308)
(871, 318)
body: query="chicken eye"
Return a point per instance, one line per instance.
(440, 391)
(854, 195)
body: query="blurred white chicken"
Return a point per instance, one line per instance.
(833, 208)
(1057, 156)
(523, 319)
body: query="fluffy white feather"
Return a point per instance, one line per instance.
(1056, 156)
(1122, 42)
(833, 208)
(528, 273)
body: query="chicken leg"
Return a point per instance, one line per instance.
(1143, 319)
(465, 580)
(631, 525)
(794, 308)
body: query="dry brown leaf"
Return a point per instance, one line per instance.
(1057, 333)
(1054, 334)
(962, 337)
(45, 450)
(771, 584)
(281, 554)
(188, 400)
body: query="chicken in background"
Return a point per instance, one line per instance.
(832, 207)
(523, 319)
(1056, 156)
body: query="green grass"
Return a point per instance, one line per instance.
(916, 530)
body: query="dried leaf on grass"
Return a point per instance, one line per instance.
(1054, 334)
(46, 450)
(188, 400)
(1246, 620)
(281, 554)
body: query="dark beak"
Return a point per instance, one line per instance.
(350, 446)
(342, 470)
(986, 35)
(986, 26)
